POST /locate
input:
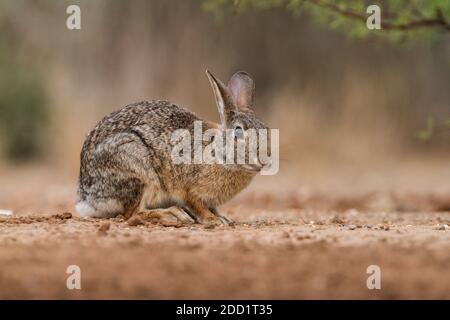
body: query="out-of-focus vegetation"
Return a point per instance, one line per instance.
(402, 18)
(432, 128)
(332, 96)
(23, 113)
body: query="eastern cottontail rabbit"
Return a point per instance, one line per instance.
(126, 165)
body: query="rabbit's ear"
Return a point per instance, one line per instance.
(223, 97)
(242, 89)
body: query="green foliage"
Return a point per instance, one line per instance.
(426, 133)
(431, 128)
(401, 19)
(23, 116)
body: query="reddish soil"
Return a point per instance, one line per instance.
(292, 246)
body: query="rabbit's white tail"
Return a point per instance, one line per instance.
(103, 209)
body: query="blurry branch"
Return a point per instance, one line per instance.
(23, 113)
(401, 18)
(438, 21)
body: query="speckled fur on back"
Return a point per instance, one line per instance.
(126, 164)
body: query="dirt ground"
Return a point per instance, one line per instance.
(301, 244)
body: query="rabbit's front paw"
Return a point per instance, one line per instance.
(226, 220)
(212, 221)
(222, 218)
(203, 214)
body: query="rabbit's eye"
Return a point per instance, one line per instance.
(239, 132)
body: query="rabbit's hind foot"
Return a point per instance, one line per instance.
(172, 216)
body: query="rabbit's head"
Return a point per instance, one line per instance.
(235, 105)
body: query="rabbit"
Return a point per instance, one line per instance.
(126, 165)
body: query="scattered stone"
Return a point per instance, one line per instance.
(442, 227)
(351, 227)
(301, 237)
(4, 212)
(66, 215)
(337, 220)
(104, 227)
(135, 221)
(286, 235)
(384, 227)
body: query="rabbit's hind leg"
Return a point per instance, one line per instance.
(111, 197)
(112, 177)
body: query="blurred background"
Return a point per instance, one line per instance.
(354, 112)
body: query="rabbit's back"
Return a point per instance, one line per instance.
(148, 119)
(131, 148)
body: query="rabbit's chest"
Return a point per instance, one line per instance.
(224, 187)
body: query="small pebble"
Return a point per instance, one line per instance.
(286, 235)
(384, 227)
(135, 221)
(104, 227)
(442, 227)
(4, 212)
(303, 237)
(337, 220)
(65, 215)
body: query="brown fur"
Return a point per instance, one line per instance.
(126, 164)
